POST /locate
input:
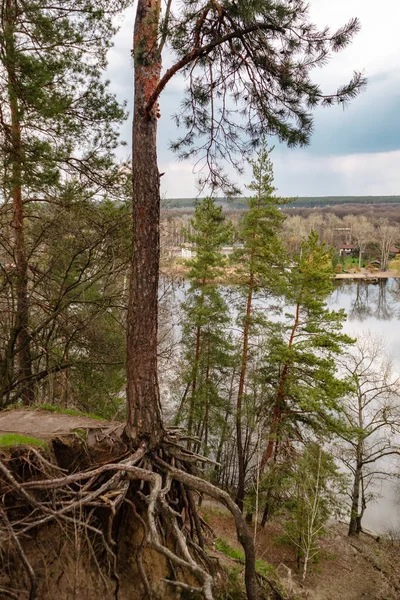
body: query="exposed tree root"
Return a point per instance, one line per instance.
(161, 481)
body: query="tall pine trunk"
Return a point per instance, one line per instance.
(144, 420)
(278, 407)
(20, 337)
(239, 404)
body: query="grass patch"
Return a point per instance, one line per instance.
(82, 433)
(223, 546)
(67, 411)
(14, 439)
(262, 567)
(234, 587)
(352, 261)
(265, 568)
(394, 265)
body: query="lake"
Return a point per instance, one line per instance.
(375, 307)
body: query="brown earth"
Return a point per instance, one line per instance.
(69, 562)
(358, 568)
(349, 568)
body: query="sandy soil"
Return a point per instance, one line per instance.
(364, 274)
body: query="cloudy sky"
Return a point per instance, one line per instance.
(352, 152)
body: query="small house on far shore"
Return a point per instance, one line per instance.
(346, 249)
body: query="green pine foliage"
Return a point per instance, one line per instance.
(259, 257)
(53, 55)
(259, 268)
(302, 388)
(305, 344)
(250, 66)
(206, 343)
(59, 129)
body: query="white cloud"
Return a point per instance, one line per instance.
(178, 180)
(302, 174)
(353, 174)
(376, 47)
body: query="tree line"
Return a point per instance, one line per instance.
(369, 236)
(299, 202)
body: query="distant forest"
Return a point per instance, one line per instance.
(301, 202)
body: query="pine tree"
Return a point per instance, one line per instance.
(57, 122)
(255, 57)
(259, 267)
(250, 69)
(302, 354)
(206, 319)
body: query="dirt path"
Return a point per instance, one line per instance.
(44, 424)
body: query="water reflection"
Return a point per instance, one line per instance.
(375, 307)
(365, 299)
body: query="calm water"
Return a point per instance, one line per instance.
(375, 307)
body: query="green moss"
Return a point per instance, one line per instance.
(14, 439)
(265, 569)
(67, 411)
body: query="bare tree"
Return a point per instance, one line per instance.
(294, 233)
(362, 232)
(386, 237)
(373, 418)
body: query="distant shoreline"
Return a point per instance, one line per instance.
(368, 276)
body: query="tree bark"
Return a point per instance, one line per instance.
(144, 420)
(355, 521)
(194, 378)
(279, 399)
(239, 441)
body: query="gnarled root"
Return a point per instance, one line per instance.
(161, 480)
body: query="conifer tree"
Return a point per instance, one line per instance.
(302, 354)
(259, 267)
(207, 345)
(249, 71)
(57, 121)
